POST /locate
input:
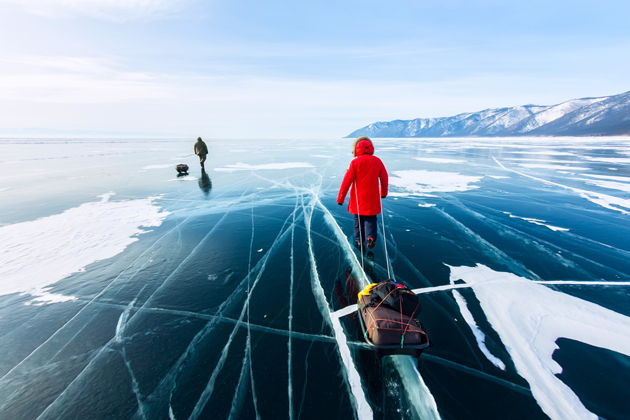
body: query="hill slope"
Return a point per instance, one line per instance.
(604, 116)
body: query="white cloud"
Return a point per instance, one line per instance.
(61, 79)
(106, 93)
(113, 10)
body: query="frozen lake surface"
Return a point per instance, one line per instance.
(129, 292)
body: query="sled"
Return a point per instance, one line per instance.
(388, 314)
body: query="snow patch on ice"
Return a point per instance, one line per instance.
(43, 297)
(479, 335)
(240, 166)
(163, 166)
(498, 177)
(535, 160)
(39, 253)
(538, 222)
(604, 200)
(530, 317)
(397, 194)
(426, 205)
(608, 177)
(322, 156)
(184, 178)
(439, 160)
(611, 185)
(544, 152)
(550, 166)
(421, 181)
(608, 160)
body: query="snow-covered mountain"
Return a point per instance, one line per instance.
(605, 116)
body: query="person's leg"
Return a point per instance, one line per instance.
(357, 232)
(370, 230)
(202, 160)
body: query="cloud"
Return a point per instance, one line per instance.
(111, 10)
(110, 94)
(66, 79)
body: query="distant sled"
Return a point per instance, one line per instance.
(182, 169)
(388, 313)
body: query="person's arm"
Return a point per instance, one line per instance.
(348, 179)
(384, 181)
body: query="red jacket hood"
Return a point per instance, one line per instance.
(364, 147)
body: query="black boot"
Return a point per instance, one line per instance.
(371, 243)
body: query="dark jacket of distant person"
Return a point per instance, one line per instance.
(368, 178)
(200, 147)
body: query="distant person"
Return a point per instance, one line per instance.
(201, 150)
(368, 178)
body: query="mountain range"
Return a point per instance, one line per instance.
(603, 116)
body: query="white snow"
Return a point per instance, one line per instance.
(439, 160)
(546, 166)
(539, 222)
(422, 402)
(38, 253)
(608, 160)
(480, 337)
(529, 317)
(43, 297)
(359, 398)
(421, 181)
(426, 205)
(604, 200)
(611, 185)
(557, 111)
(184, 178)
(544, 152)
(240, 166)
(609, 177)
(498, 177)
(166, 165)
(322, 156)
(536, 160)
(397, 194)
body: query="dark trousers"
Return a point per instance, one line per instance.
(202, 160)
(364, 227)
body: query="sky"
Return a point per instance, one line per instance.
(293, 69)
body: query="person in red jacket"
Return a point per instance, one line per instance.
(368, 178)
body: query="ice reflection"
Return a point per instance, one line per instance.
(205, 183)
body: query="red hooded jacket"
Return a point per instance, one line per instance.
(364, 175)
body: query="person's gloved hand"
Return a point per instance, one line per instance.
(383, 196)
(341, 204)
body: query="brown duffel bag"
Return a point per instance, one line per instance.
(386, 326)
